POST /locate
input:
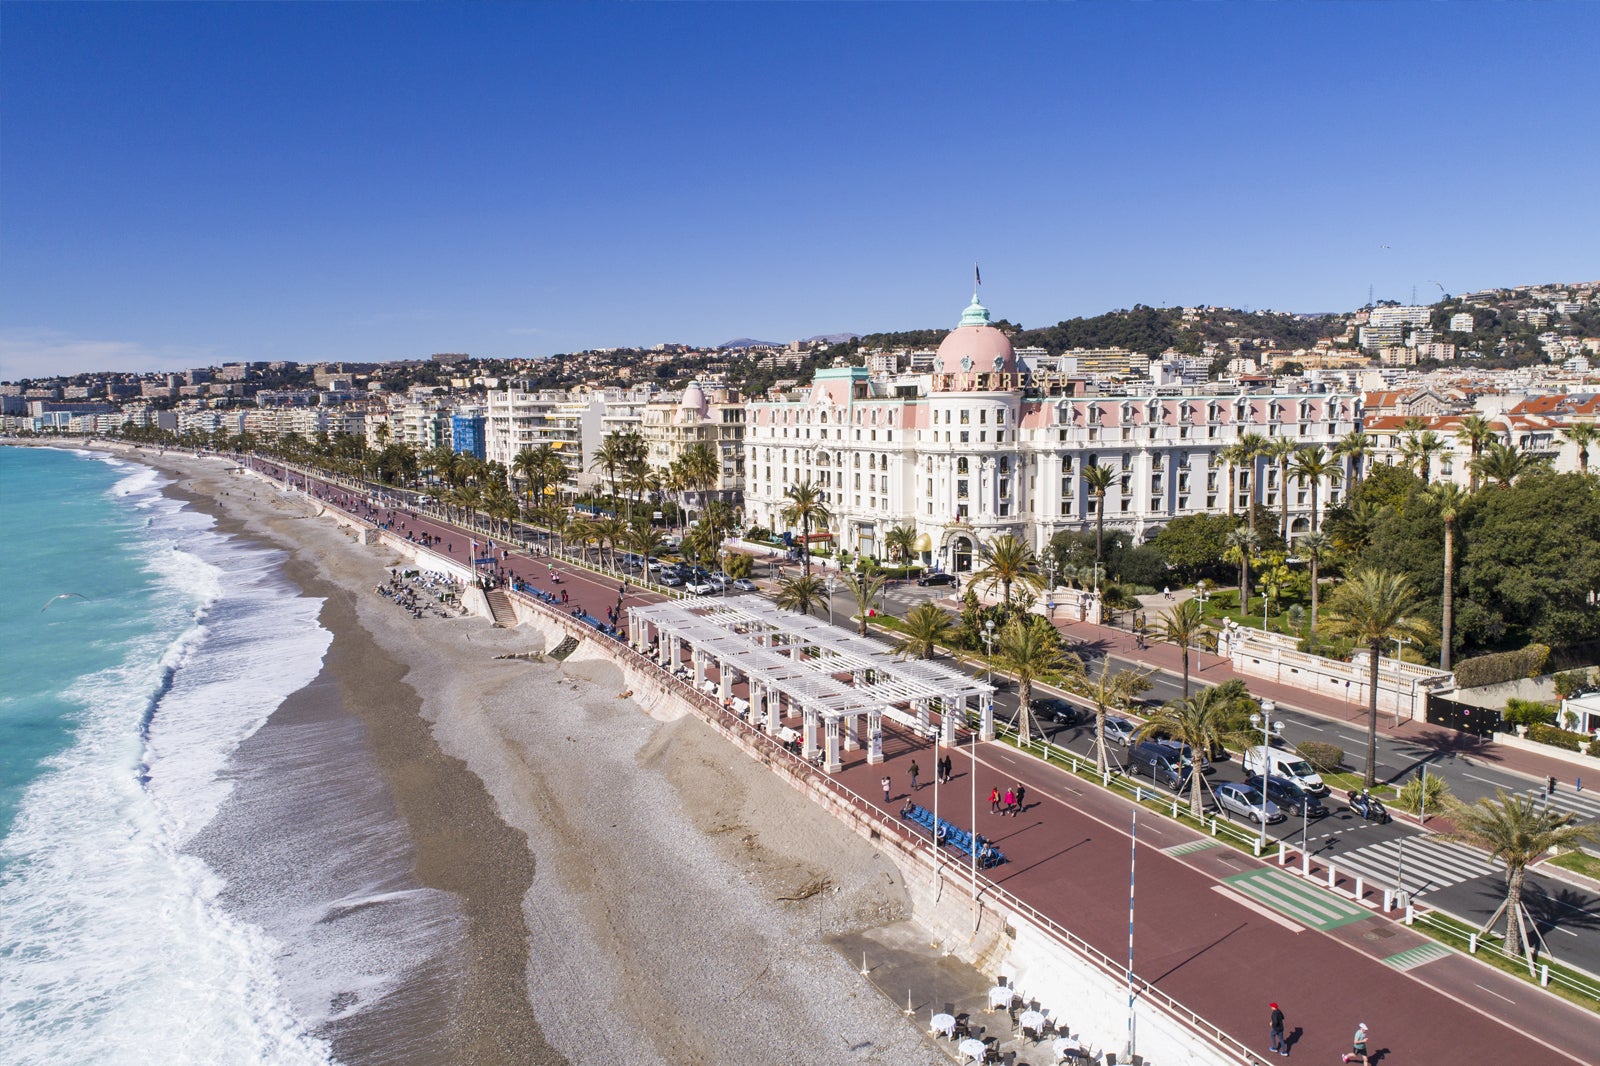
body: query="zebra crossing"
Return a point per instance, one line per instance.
(1426, 863)
(1586, 805)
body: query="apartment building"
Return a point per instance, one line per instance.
(670, 426)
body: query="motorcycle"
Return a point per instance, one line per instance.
(1368, 806)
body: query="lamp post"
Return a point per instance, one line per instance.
(988, 649)
(1269, 729)
(1050, 591)
(831, 583)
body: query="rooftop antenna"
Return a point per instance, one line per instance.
(1369, 295)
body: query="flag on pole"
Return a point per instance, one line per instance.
(977, 278)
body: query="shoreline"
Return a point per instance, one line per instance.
(634, 890)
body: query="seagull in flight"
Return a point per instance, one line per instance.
(61, 596)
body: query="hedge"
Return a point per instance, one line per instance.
(1528, 713)
(1558, 738)
(1324, 758)
(1502, 666)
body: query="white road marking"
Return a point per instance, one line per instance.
(1497, 995)
(1485, 780)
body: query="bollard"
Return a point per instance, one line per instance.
(1213, 826)
(1472, 943)
(1388, 900)
(1256, 846)
(1283, 853)
(1305, 864)
(1360, 889)
(1174, 806)
(1333, 876)
(1544, 975)
(1138, 793)
(864, 970)
(1411, 914)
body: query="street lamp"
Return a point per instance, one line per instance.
(1050, 592)
(988, 648)
(1269, 729)
(831, 583)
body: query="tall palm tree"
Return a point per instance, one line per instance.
(1281, 451)
(644, 539)
(1517, 830)
(1356, 447)
(1582, 434)
(924, 628)
(1374, 607)
(901, 543)
(610, 456)
(1006, 561)
(609, 530)
(1246, 542)
(699, 469)
(1505, 463)
(1030, 649)
(1099, 479)
(1200, 721)
(1313, 466)
(802, 594)
(1315, 549)
(1477, 431)
(639, 479)
(1449, 499)
(803, 506)
(1106, 692)
(1252, 446)
(1233, 455)
(1419, 449)
(866, 589)
(1181, 624)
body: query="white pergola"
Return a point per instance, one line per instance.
(796, 661)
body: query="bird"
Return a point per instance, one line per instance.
(60, 596)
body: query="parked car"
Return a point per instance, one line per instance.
(1259, 759)
(936, 579)
(1120, 730)
(700, 588)
(672, 581)
(1161, 762)
(1051, 709)
(744, 584)
(1289, 796)
(1247, 802)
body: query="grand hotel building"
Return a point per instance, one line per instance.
(969, 451)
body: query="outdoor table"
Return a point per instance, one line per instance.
(946, 1024)
(973, 1049)
(1031, 1019)
(1000, 996)
(1066, 1048)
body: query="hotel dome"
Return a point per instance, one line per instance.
(975, 347)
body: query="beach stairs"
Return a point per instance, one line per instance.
(500, 609)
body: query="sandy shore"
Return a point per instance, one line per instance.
(633, 891)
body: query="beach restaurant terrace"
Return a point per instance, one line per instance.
(794, 665)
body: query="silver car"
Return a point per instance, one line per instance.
(1246, 802)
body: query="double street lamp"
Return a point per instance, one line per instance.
(831, 583)
(988, 648)
(1269, 729)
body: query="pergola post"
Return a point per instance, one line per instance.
(947, 720)
(725, 681)
(834, 764)
(986, 717)
(808, 732)
(698, 657)
(874, 736)
(774, 698)
(923, 721)
(852, 731)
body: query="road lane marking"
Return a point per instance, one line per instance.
(1497, 995)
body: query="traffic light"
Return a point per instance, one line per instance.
(1550, 787)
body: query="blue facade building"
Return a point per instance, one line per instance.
(466, 435)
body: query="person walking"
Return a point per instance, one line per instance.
(1358, 1046)
(885, 784)
(915, 770)
(1010, 806)
(1021, 792)
(994, 801)
(1275, 1022)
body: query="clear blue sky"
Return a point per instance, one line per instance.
(196, 183)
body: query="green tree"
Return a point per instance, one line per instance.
(803, 594)
(1281, 451)
(1418, 449)
(1373, 608)
(737, 564)
(865, 588)
(924, 628)
(1107, 692)
(1313, 466)
(1005, 561)
(1200, 721)
(1315, 549)
(1181, 624)
(1505, 463)
(1477, 432)
(1582, 434)
(1243, 544)
(1193, 543)
(1098, 479)
(1517, 830)
(1355, 447)
(1449, 499)
(803, 506)
(1252, 447)
(901, 543)
(1030, 649)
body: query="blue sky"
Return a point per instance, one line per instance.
(195, 183)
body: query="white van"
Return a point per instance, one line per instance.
(1276, 763)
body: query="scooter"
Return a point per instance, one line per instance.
(1368, 806)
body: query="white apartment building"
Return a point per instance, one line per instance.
(573, 423)
(715, 416)
(966, 452)
(1461, 322)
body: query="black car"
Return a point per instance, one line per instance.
(936, 579)
(1050, 709)
(1289, 796)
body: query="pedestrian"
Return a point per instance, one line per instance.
(1275, 1022)
(1358, 1045)
(949, 765)
(885, 784)
(1021, 792)
(994, 801)
(914, 772)
(563, 597)
(1010, 802)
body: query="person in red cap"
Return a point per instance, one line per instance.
(1278, 1043)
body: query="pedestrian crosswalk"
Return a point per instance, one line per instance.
(1300, 900)
(1585, 804)
(1422, 863)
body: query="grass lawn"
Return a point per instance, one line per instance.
(1579, 862)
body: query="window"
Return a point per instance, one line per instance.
(1005, 508)
(964, 437)
(961, 489)
(1066, 508)
(961, 464)
(966, 416)
(961, 512)
(983, 417)
(1000, 417)
(1005, 486)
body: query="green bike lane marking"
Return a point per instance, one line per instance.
(1191, 846)
(1291, 896)
(1420, 955)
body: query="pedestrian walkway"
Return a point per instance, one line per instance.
(1297, 898)
(1420, 955)
(1586, 805)
(1424, 863)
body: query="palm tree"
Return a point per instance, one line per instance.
(1355, 446)
(1181, 624)
(540, 467)
(801, 593)
(1419, 450)
(924, 628)
(1253, 446)
(639, 479)
(1245, 542)
(803, 506)
(1517, 830)
(1006, 561)
(609, 530)
(1030, 649)
(901, 543)
(645, 540)
(1505, 463)
(865, 588)
(1282, 450)
(1477, 431)
(1312, 466)
(610, 457)
(1098, 479)
(1582, 434)
(1374, 607)
(1449, 499)
(1315, 549)
(1105, 692)
(699, 469)
(1200, 721)
(1233, 455)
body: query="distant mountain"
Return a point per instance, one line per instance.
(747, 342)
(832, 338)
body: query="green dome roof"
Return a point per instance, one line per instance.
(976, 314)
